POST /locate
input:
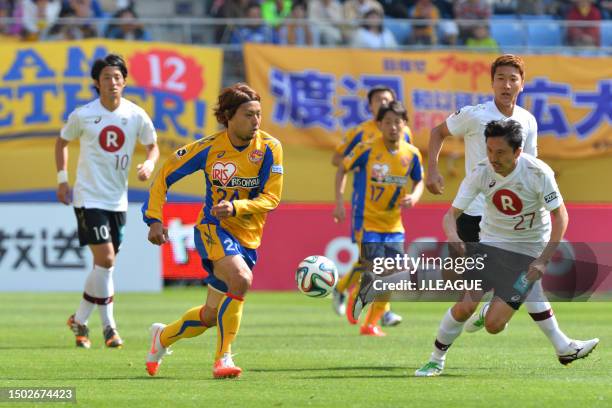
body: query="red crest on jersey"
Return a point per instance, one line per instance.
(223, 172)
(507, 202)
(111, 138)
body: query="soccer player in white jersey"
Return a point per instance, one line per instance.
(107, 129)
(517, 238)
(507, 80)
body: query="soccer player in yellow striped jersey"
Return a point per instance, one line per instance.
(244, 175)
(365, 132)
(384, 168)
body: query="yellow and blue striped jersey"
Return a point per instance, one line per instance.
(365, 132)
(250, 177)
(381, 180)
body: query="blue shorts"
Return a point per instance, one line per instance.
(213, 243)
(381, 244)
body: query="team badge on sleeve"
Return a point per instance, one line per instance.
(181, 152)
(550, 197)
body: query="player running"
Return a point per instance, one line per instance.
(243, 170)
(366, 132)
(517, 237)
(107, 129)
(383, 169)
(507, 81)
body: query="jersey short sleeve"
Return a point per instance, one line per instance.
(72, 128)
(550, 191)
(147, 134)
(531, 141)
(352, 138)
(358, 157)
(416, 173)
(460, 122)
(469, 189)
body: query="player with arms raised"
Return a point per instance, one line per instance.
(517, 238)
(244, 176)
(107, 130)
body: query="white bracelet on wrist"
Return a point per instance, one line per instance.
(149, 165)
(62, 176)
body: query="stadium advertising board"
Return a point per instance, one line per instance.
(41, 83)
(39, 251)
(295, 230)
(313, 96)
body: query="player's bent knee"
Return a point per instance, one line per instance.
(462, 311)
(105, 262)
(209, 317)
(240, 282)
(494, 326)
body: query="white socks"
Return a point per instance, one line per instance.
(449, 330)
(99, 289)
(542, 314)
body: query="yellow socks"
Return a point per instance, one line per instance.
(190, 325)
(377, 309)
(228, 322)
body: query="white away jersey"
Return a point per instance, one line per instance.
(517, 207)
(470, 122)
(107, 142)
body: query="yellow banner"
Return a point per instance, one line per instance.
(312, 96)
(41, 83)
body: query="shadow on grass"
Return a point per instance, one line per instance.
(401, 376)
(110, 377)
(38, 347)
(270, 370)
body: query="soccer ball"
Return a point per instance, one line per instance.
(316, 276)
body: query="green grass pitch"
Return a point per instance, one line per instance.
(296, 352)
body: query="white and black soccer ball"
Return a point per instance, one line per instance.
(316, 276)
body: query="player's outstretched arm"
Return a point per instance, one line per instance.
(158, 235)
(449, 224)
(145, 169)
(61, 164)
(336, 159)
(181, 163)
(434, 180)
(560, 220)
(410, 200)
(270, 194)
(339, 184)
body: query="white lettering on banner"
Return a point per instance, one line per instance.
(181, 240)
(335, 247)
(40, 251)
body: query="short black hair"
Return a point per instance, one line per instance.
(394, 106)
(111, 60)
(510, 130)
(380, 88)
